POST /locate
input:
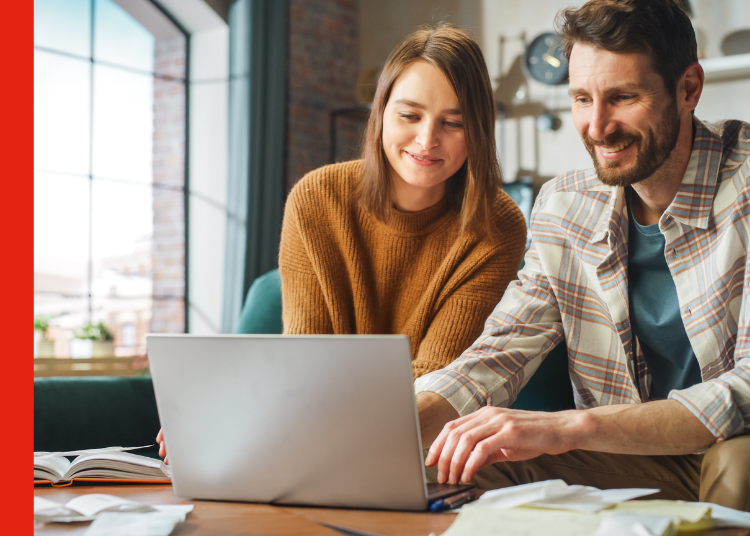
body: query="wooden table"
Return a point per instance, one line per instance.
(227, 518)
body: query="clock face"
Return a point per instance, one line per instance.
(544, 61)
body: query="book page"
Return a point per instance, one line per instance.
(117, 465)
(52, 468)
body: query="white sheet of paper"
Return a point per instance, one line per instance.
(726, 517)
(506, 498)
(46, 511)
(556, 494)
(479, 521)
(592, 499)
(683, 512)
(93, 503)
(629, 524)
(42, 455)
(88, 507)
(143, 524)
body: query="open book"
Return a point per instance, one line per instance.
(112, 465)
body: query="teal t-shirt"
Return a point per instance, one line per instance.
(655, 312)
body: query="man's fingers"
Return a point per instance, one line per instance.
(166, 460)
(456, 429)
(433, 455)
(464, 449)
(159, 439)
(476, 444)
(482, 456)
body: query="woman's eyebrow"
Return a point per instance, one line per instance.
(413, 104)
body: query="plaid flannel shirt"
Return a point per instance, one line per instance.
(575, 286)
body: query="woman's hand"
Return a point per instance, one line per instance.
(162, 447)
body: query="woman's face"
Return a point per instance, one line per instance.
(423, 136)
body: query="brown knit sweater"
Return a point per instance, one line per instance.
(345, 272)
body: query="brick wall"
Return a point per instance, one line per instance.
(322, 76)
(168, 246)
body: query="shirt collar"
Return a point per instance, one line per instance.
(693, 202)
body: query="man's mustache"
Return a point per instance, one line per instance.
(616, 138)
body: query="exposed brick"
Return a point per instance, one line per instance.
(322, 76)
(168, 243)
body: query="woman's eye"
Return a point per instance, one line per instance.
(408, 117)
(453, 124)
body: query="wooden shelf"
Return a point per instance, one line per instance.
(726, 68)
(90, 366)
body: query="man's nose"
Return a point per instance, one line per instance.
(428, 137)
(602, 123)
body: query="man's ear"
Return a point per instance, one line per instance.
(690, 87)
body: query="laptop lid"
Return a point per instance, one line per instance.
(312, 420)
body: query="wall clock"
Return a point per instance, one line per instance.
(544, 60)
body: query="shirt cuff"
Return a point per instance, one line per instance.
(461, 391)
(712, 403)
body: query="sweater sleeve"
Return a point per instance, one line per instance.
(304, 308)
(460, 319)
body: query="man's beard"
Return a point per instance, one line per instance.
(651, 153)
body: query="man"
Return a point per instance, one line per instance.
(641, 266)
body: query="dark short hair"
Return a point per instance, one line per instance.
(473, 188)
(661, 29)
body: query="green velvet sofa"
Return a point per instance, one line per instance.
(83, 412)
(75, 413)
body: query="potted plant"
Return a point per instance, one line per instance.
(93, 340)
(45, 347)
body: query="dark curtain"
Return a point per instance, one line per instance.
(257, 95)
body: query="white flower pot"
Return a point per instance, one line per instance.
(45, 348)
(103, 349)
(82, 348)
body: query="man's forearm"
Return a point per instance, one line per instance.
(434, 412)
(662, 427)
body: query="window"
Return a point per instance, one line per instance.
(109, 171)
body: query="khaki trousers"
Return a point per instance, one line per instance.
(720, 476)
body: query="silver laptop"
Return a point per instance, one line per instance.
(308, 420)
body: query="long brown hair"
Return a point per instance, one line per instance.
(473, 188)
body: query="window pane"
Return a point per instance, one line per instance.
(63, 25)
(66, 314)
(122, 227)
(61, 113)
(61, 234)
(120, 39)
(129, 320)
(123, 124)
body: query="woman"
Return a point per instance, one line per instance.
(417, 238)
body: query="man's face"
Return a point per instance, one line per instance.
(623, 113)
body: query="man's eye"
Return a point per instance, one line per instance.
(624, 97)
(582, 100)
